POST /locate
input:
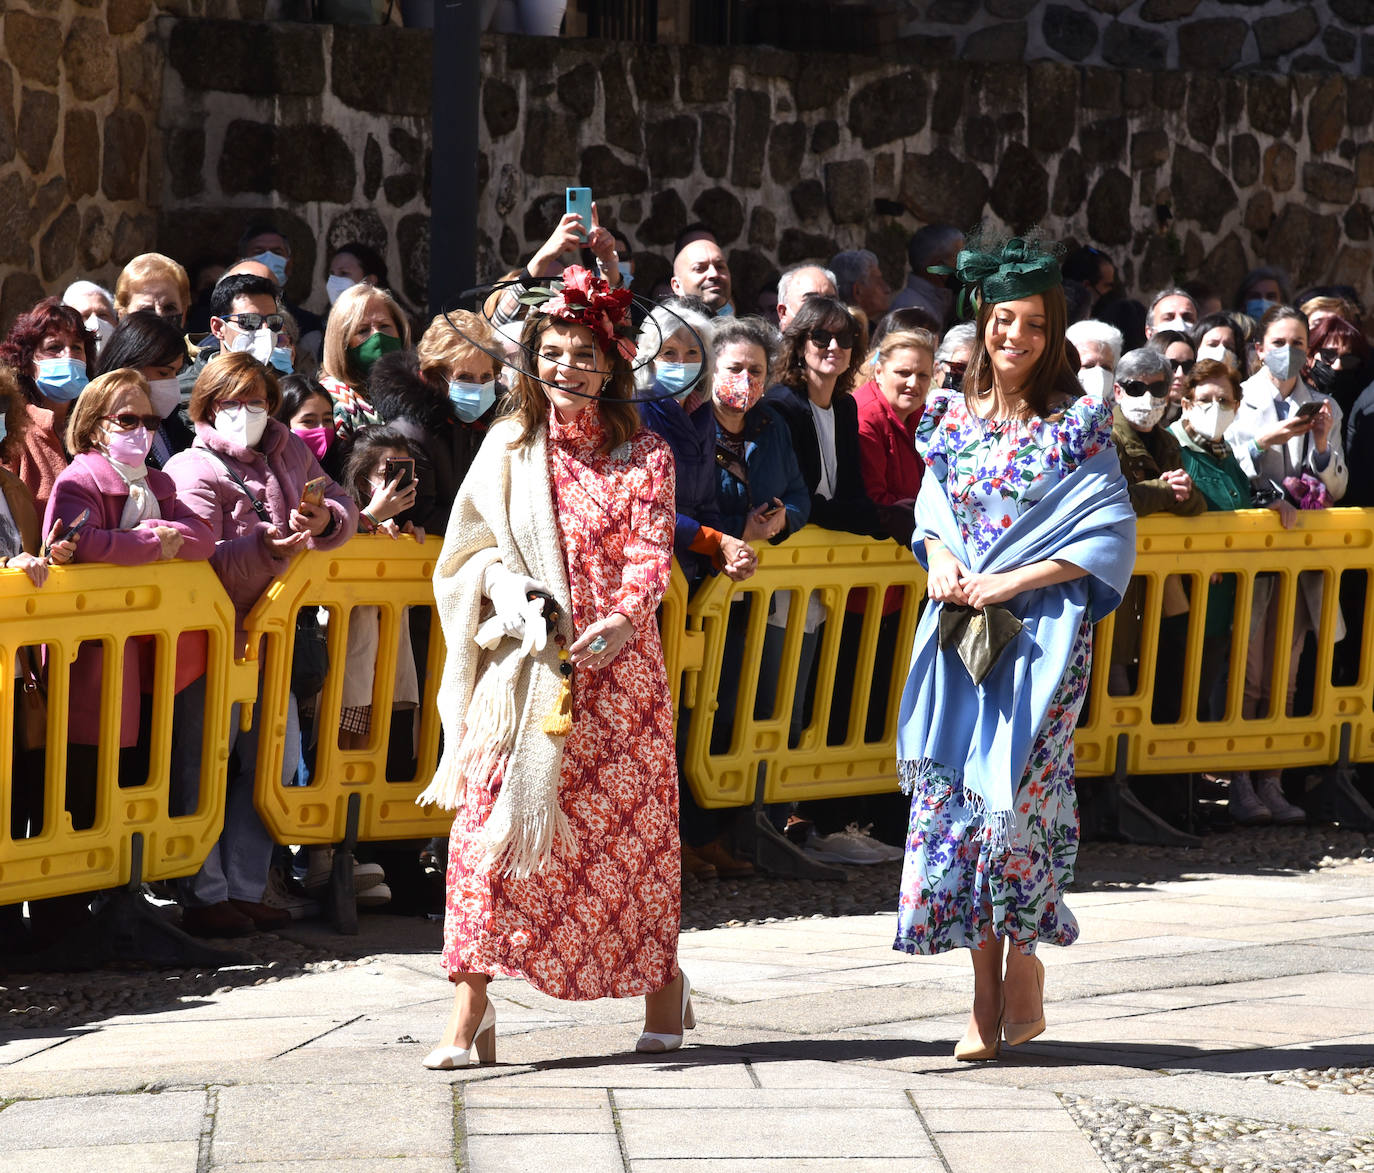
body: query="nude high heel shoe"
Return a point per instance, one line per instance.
(656, 1044)
(483, 1042)
(967, 1052)
(1022, 1032)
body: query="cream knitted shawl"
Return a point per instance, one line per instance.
(504, 513)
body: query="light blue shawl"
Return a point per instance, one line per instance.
(986, 733)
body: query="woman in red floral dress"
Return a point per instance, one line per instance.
(564, 860)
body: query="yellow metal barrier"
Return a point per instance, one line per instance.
(368, 572)
(108, 605)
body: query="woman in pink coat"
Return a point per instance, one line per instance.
(133, 518)
(245, 477)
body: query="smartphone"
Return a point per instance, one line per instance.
(404, 467)
(580, 204)
(1307, 410)
(313, 493)
(773, 512)
(76, 526)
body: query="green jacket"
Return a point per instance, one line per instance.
(1145, 456)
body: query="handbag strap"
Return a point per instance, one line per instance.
(258, 507)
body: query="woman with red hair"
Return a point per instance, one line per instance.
(47, 348)
(1337, 360)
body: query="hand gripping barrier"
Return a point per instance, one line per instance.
(133, 831)
(376, 572)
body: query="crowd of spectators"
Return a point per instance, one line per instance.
(210, 419)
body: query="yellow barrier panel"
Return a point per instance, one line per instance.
(376, 572)
(108, 605)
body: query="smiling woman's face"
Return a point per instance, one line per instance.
(1015, 339)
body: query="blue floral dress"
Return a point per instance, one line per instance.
(953, 887)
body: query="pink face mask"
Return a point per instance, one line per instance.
(738, 391)
(317, 440)
(129, 448)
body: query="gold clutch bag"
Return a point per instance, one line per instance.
(979, 637)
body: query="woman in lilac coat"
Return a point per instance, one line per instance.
(245, 477)
(134, 518)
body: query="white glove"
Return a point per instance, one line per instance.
(520, 616)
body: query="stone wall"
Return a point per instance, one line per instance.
(1276, 36)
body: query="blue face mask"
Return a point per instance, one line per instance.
(726, 311)
(274, 262)
(676, 377)
(1257, 307)
(281, 359)
(627, 278)
(472, 400)
(61, 379)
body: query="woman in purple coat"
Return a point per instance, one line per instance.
(245, 477)
(134, 518)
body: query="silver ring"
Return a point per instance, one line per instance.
(597, 646)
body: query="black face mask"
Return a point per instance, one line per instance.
(1343, 385)
(954, 382)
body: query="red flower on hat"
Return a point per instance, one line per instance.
(586, 300)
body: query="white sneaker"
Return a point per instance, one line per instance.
(854, 844)
(365, 875)
(1270, 792)
(373, 896)
(280, 894)
(1244, 805)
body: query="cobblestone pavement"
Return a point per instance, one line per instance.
(1214, 1015)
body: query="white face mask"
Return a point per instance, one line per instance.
(100, 328)
(335, 285)
(1095, 381)
(1211, 419)
(165, 394)
(1176, 322)
(1217, 353)
(240, 426)
(1143, 411)
(259, 343)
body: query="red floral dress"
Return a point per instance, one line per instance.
(602, 920)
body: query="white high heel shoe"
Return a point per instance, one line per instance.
(483, 1042)
(651, 1043)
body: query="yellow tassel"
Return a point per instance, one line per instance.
(559, 720)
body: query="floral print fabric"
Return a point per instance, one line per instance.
(954, 889)
(602, 920)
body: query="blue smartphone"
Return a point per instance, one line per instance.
(580, 204)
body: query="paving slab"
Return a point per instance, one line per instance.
(146, 1157)
(520, 1154)
(102, 1120)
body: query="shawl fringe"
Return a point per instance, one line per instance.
(1000, 824)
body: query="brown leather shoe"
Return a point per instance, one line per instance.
(718, 855)
(696, 867)
(215, 920)
(263, 916)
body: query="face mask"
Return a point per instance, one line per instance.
(280, 358)
(258, 344)
(61, 379)
(372, 349)
(100, 328)
(472, 400)
(1257, 307)
(275, 263)
(738, 391)
(726, 311)
(1176, 322)
(676, 377)
(336, 285)
(1143, 411)
(1217, 353)
(1095, 381)
(164, 394)
(240, 426)
(317, 440)
(627, 278)
(129, 448)
(1284, 362)
(1211, 420)
(4, 429)
(1344, 384)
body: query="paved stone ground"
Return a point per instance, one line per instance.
(1214, 1015)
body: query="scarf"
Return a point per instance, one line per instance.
(141, 504)
(495, 703)
(986, 732)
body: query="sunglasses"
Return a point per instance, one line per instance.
(1182, 366)
(843, 336)
(246, 321)
(1331, 356)
(126, 421)
(1134, 387)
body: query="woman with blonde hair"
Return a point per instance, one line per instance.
(365, 323)
(154, 282)
(563, 861)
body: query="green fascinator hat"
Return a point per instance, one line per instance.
(1020, 269)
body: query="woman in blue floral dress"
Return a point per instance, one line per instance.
(1024, 507)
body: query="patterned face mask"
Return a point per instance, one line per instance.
(738, 390)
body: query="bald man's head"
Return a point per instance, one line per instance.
(797, 284)
(700, 270)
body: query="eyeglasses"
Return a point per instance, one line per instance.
(1182, 366)
(256, 407)
(273, 322)
(822, 338)
(1134, 387)
(127, 421)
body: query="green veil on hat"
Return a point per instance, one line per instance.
(1021, 268)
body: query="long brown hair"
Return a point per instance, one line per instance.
(529, 404)
(1052, 378)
